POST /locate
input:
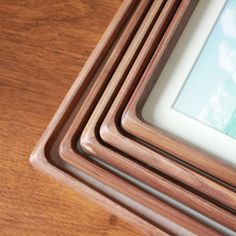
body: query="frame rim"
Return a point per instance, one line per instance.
(132, 121)
(67, 147)
(38, 157)
(190, 177)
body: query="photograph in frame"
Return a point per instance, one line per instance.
(209, 93)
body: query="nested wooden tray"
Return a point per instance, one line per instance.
(68, 152)
(134, 124)
(46, 158)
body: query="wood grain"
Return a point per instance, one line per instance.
(77, 160)
(43, 46)
(45, 155)
(154, 158)
(129, 190)
(95, 148)
(114, 135)
(134, 124)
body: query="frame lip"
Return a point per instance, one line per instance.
(87, 143)
(109, 130)
(132, 117)
(40, 162)
(38, 159)
(38, 156)
(224, 194)
(40, 151)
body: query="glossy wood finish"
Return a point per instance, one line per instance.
(97, 149)
(78, 160)
(133, 123)
(44, 44)
(161, 162)
(112, 133)
(47, 150)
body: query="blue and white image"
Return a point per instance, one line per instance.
(209, 93)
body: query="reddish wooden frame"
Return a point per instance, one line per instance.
(112, 133)
(43, 157)
(94, 147)
(47, 149)
(133, 123)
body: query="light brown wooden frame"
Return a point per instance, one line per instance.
(134, 124)
(43, 157)
(68, 152)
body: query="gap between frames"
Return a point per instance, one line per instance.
(67, 149)
(199, 203)
(132, 122)
(45, 155)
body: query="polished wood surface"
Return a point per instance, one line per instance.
(45, 156)
(78, 159)
(181, 194)
(43, 47)
(134, 124)
(112, 133)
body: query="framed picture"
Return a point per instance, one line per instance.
(100, 182)
(196, 93)
(187, 109)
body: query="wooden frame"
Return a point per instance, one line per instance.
(69, 153)
(133, 123)
(46, 153)
(111, 135)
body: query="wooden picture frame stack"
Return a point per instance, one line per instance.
(86, 148)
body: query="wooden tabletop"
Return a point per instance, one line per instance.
(43, 46)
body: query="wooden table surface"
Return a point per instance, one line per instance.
(43, 46)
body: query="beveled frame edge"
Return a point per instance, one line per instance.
(75, 160)
(38, 157)
(45, 143)
(224, 195)
(67, 153)
(132, 122)
(109, 133)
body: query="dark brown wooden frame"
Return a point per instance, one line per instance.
(46, 151)
(68, 151)
(134, 124)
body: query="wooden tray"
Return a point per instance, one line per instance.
(46, 158)
(69, 153)
(134, 124)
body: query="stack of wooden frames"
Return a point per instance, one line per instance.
(106, 142)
